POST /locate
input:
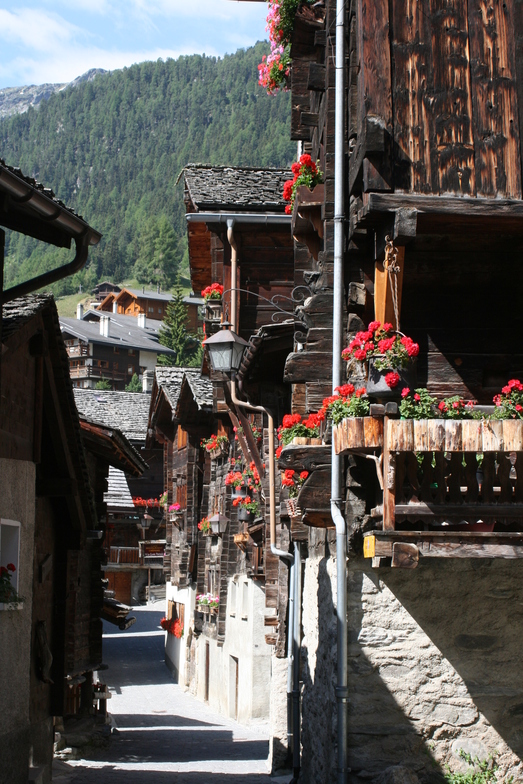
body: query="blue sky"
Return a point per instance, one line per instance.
(57, 40)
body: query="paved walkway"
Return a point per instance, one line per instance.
(160, 730)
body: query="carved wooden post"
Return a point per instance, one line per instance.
(389, 481)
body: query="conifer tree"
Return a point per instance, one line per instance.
(173, 332)
(134, 385)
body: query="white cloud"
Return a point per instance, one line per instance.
(66, 65)
(35, 29)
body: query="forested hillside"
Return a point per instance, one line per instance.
(113, 148)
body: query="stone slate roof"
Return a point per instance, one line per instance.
(126, 335)
(36, 185)
(235, 189)
(201, 389)
(170, 379)
(126, 411)
(121, 442)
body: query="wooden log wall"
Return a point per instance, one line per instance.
(450, 71)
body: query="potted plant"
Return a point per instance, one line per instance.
(215, 445)
(248, 508)
(298, 430)
(9, 598)
(390, 358)
(213, 301)
(235, 479)
(204, 526)
(306, 173)
(293, 481)
(175, 513)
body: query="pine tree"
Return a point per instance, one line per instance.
(173, 332)
(134, 385)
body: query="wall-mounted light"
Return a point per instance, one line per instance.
(225, 350)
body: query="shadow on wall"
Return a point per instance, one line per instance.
(381, 736)
(472, 612)
(434, 666)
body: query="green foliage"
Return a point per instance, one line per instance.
(103, 384)
(479, 772)
(354, 406)
(173, 333)
(112, 149)
(417, 405)
(134, 385)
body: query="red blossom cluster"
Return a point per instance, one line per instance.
(391, 349)
(293, 480)
(214, 291)
(172, 626)
(204, 525)
(510, 400)
(343, 394)
(305, 172)
(139, 501)
(213, 443)
(455, 404)
(4, 570)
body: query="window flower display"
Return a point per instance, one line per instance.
(306, 172)
(214, 291)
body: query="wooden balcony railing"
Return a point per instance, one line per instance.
(450, 487)
(88, 371)
(81, 350)
(124, 555)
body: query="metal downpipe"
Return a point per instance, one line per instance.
(337, 335)
(296, 725)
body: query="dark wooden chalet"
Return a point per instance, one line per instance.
(51, 499)
(433, 164)
(129, 571)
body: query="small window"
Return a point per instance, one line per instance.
(131, 352)
(182, 437)
(116, 349)
(10, 548)
(233, 599)
(130, 370)
(151, 309)
(159, 310)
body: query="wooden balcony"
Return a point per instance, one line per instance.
(81, 350)
(450, 487)
(146, 556)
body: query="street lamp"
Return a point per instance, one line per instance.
(225, 350)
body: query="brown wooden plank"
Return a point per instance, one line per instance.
(413, 97)
(389, 481)
(452, 98)
(473, 511)
(493, 74)
(386, 285)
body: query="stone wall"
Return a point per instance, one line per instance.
(434, 666)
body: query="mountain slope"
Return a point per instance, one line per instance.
(113, 148)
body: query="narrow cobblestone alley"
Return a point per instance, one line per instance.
(159, 729)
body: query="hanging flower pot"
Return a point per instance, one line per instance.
(240, 492)
(245, 516)
(387, 383)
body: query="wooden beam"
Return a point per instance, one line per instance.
(386, 284)
(389, 482)
(463, 511)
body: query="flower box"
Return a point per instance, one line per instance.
(11, 606)
(454, 435)
(377, 385)
(358, 433)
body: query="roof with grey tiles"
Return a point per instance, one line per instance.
(125, 335)
(236, 188)
(201, 389)
(118, 496)
(126, 411)
(170, 379)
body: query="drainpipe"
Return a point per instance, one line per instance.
(337, 334)
(296, 646)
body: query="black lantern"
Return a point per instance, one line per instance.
(146, 521)
(226, 351)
